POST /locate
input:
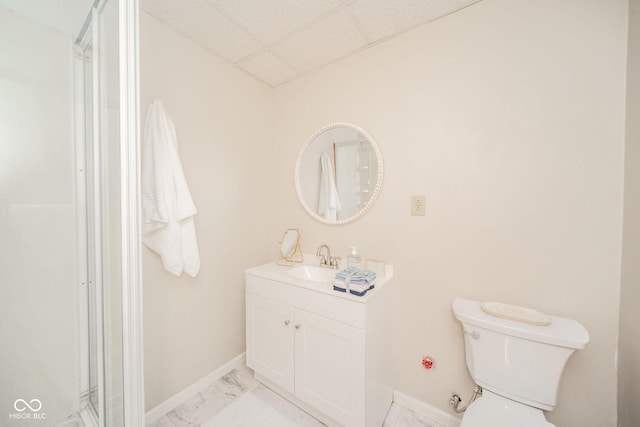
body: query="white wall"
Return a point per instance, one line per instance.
(629, 352)
(224, 124)
(39, 304)
(509, 117)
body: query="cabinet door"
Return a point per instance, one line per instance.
(270, 340)
(329, 367)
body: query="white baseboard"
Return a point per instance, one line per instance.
(428, 411)
(179, 398)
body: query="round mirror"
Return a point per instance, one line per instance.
(338, 173)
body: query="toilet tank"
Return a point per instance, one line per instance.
(518, 360)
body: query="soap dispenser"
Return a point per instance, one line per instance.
(354, 259)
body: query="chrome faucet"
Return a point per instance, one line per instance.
(326, 260)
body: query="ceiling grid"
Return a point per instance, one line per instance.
(278, 40)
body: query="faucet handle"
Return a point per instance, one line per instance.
(334, 261)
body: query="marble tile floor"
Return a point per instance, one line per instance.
(214, 406)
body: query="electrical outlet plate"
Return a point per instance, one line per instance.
(418, 203)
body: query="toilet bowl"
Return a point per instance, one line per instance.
(517, 356)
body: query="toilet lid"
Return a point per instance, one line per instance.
(497, 411)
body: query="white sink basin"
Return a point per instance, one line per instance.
(313, 273)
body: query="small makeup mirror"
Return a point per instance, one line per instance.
(290, 251)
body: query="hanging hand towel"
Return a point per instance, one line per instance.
(328, 201)
(168, 209)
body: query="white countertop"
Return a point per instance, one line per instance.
(279, 273)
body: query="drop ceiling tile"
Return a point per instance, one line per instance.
(277, 39)
(203, 23)
(383, 18)
(326, 40)
(270, 20)
(269, 68)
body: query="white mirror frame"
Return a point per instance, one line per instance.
(379, 177)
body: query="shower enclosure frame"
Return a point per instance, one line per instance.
(129, 200)
(133, 361)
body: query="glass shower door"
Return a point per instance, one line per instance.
(39, 331)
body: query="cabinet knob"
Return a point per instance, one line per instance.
(298, 326)
(286, 322)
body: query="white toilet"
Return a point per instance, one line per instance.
(517, 356)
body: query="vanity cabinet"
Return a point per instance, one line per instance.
(328, 352)
(270, 344)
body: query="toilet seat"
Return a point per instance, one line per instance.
(497, 411)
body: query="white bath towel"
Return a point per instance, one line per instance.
(168, 208)
(328, 201)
